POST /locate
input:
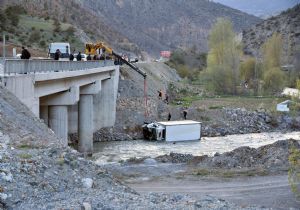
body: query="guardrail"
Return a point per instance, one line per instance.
(17, 66)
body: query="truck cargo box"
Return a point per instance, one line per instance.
(186, 130)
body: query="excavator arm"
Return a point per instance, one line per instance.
(92, 49)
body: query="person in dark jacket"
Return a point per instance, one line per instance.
(185, 113)
(78, 57)
(25, 53)
(169, 116)
(57, 55)
(71, 57)
(88, 58)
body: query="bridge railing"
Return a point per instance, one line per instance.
(18, 66)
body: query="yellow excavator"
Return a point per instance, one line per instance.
(94, 49)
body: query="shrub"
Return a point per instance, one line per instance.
(34, 37)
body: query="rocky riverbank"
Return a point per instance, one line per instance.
(60, 178)
(36, 172)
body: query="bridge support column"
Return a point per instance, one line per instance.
(58, 122)
(85, 124)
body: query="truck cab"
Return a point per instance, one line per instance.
(63, 47)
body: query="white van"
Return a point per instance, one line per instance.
(63, 47)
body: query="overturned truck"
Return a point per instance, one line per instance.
(186, 130)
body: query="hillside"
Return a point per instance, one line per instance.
(260, 8)
(287, 24)
(163, 25)
(138, 26)
(42, 14)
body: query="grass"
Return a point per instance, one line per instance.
(25, 156)
(229, 173)
(249, 102)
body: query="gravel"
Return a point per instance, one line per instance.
(273, 157)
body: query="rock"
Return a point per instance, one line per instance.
(87, 182)
(86, 206)
(150, 161)
(3, 196)
(268, 119)
(7, 177)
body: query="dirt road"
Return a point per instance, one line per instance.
(268, 191)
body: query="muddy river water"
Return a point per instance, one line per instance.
(109, 152)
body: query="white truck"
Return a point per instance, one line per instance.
(63, 47)
(185, 130)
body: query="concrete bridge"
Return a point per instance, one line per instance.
(71, 97)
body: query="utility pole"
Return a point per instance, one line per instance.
(4, 53)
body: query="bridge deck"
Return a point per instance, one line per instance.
(18, 66)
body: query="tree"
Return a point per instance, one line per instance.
(223, 58)
(273, 78)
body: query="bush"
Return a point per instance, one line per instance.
(294, 171)
(274, 80)
(42, 43)
(34, 37)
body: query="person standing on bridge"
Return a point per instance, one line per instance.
(25, 53)
(57, 55)
(71, 57)
(78, 57)
(89, 58)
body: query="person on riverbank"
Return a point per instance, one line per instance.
(160, 94)
(167, 99)
(169, 116)
(184, 113)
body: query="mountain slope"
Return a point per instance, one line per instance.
(162, 25)
(260, 8)
(139, 25)
(287, 24)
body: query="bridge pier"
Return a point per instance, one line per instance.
(58, 122)
(85, 124)
(86, 117)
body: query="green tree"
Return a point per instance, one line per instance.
(274, 79)
(223, 58)
(250, 71)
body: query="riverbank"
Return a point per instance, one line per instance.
(36, 172)
(245, 175)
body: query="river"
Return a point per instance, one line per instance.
(111, 152)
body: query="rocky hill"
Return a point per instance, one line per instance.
(135, 25)
(260, 8)
(163, 25)
(287, 24)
